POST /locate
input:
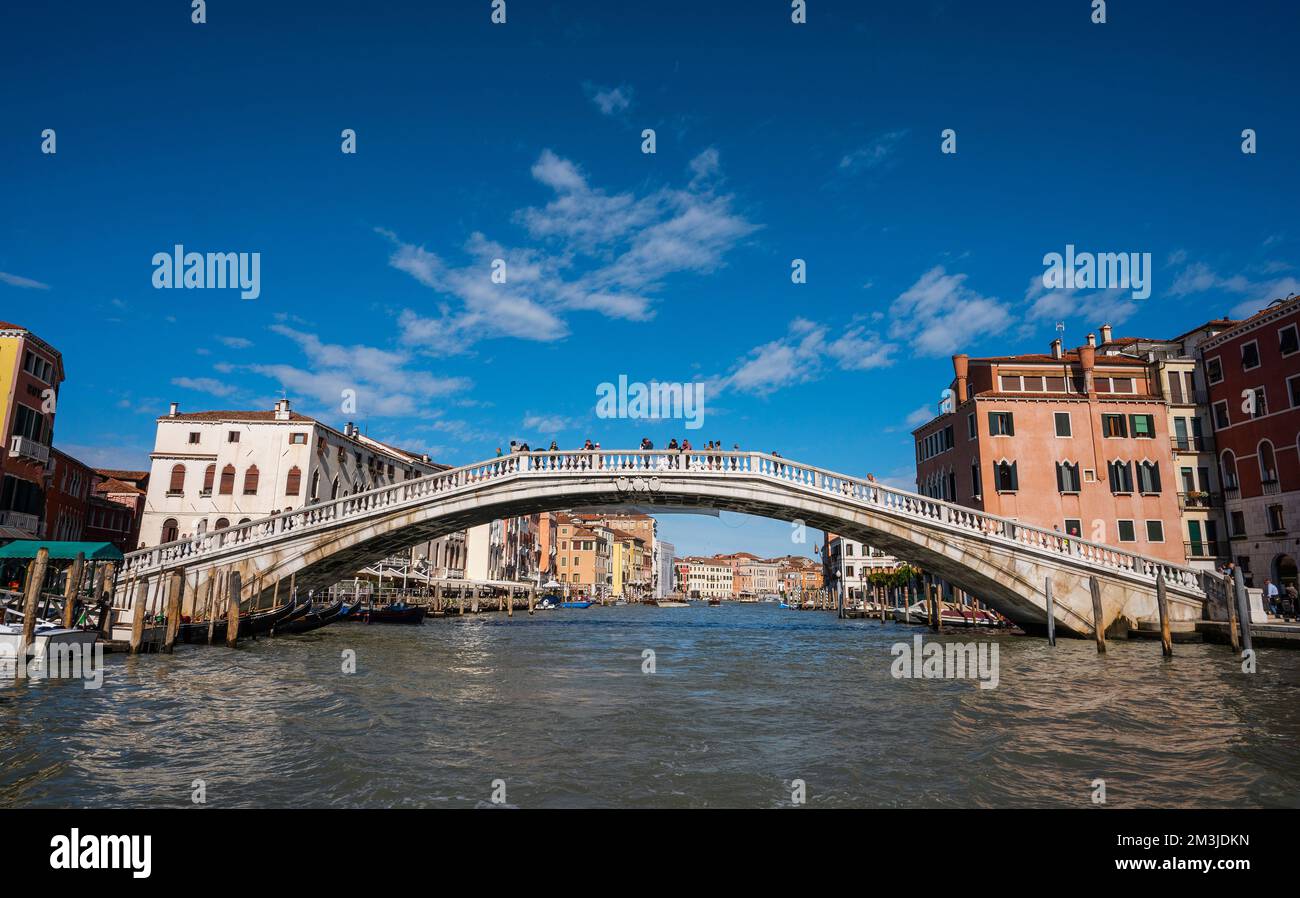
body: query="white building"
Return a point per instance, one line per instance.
(665, 554)
(211, 470)
(847, 565)
(708, 578)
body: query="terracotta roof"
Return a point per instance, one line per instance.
(118, 474)
(6, 326)
(1069, 357)
(232, 416)
(116, 486)
(1220, 323)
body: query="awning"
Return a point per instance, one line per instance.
(27, 548)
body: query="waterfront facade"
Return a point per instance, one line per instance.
(31, 371)
(585, 556)
(1072, 441)
(665, 561)
(799, 574)
(847, 566)
(1253, 380)
(216, 469)
(708, 578)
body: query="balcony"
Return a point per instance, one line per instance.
(1199, 500)
(1206, 548)
(20, 521)
(1271, 487)
(1190, 444)
(22, 446)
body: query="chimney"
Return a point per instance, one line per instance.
(960, 367)
(1056, 348)
(1105, 334)
(173, 409)
(349, 429)
(1092, 340)
(282, 410)
(1087, 358)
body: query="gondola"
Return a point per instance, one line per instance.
(313, 620)
(398, 613)
(249, 624)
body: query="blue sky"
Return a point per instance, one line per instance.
(523, 142)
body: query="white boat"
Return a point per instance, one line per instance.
(46, 635)
(672, 603)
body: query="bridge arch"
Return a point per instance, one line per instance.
(1004, 562)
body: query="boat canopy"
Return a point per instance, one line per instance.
(27, 548)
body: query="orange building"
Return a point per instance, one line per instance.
(1074, 441)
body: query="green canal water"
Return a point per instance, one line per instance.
(744, 702)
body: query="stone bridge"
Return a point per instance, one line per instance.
(1003, 562)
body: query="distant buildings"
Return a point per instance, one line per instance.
(665, 568)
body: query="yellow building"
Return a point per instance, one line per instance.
(30, 373)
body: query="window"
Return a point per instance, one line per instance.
(1055, 384)
(227, 480)
(1121, 476)
(1004, 476)
(170, 531)
(1221, 420)
(1127, 534)
(1229, 472)
(209, 474)
(1114, 426)
(29, 423)
(971, 432)
(1073, 527)
(1238, 521)
(315, 485)
(1063, 424)
(1001, 424)
(232, 436)
(1010, 383)
(194, 437)
(1155, 531)
(1258, 403)
(1214, 370)
(1149, 477)
(975, 488)
(1249, 355)
(1267, 462)
(1276, 523)
(1123, 384)
(1288, 340)
(293, 483)
(297, 439)
(1143, 426)
(177, 485)
(1067, 477)
(250, 480)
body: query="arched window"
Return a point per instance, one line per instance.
(177, 485)
(170, 530)
(209, 475)
(245, 520)
(222, 523)
(1267, 463)
(227, 480)
(250, 481)
(1004, 476)
(315, 485)
(293, 484)
(1229, 472)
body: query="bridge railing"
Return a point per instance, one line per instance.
(706, 463)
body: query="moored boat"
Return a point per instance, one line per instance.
(313, 620)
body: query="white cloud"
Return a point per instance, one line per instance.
(1114, 305)
(205, 385)
(610, 100)
(235, 342)
(939, 314)
(799, 357)
(546, 424)
(593, 251)
(872, 155)
(14, 280)
(1255, 295)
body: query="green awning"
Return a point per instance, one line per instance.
(26, 548)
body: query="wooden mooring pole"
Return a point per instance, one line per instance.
(1162, 600)
(139, 599)
(232, 611)
(532, 598)
(1243, 608)
(172, 616)
(1051, 611)
(1098, 630)
(510, 603)
(1234, 631)
(71, 589)
(31, 598)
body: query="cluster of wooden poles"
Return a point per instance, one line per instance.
(101, 577)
